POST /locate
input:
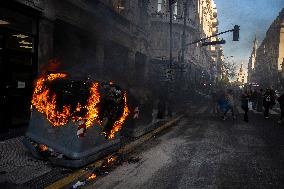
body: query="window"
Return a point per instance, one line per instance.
(119, 5)
(175, 10)
(160, 3)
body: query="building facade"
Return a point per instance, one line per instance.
(242, 76)
(270, 55)
(192, 20)
(100, 39)
(251, 63)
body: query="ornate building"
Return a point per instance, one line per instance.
(251, 63)
(270, 55)
(201, 21)
(242, 75)
(102, 39)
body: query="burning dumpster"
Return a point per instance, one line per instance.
(75, 122)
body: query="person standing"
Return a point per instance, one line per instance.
(267, 102)
(254, 99)
(244, 104)
(231, 103)
(259, 100)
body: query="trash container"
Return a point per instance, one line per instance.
(141, 119)
(75, 122)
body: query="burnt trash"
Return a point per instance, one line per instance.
(74, 122)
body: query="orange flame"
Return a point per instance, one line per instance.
(93, 112)
(43, 147)
(45, 103)
(92, 177)
(118, 123)
(111, 160)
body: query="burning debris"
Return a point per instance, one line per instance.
(108, 165)
(61, 100)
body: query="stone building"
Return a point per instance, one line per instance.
(102, 39)
(270, 55)
(201, 21)
(251, 63)
(242, 75)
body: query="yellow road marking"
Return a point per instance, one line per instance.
(127, 148)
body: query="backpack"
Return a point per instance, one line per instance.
(268, 98)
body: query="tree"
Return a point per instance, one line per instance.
(228, 72)
(229, 69)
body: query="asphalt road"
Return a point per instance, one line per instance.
(203, 151)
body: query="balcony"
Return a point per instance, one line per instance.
(215, 22)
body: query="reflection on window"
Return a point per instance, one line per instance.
(21, 42)
(119, 5)
(20, 60)
(175, 11)
(160, 3)
(4, 22)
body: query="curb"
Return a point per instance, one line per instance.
(125, 149)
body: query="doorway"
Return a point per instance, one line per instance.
(18, 67)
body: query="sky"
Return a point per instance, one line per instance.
(254, 18)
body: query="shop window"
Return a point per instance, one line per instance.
(160, 4)
(19, 60)
(19, 41)
(175, 10)
(10, 19)
(119, 5)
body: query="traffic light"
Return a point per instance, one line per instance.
(236, 31)
(214, 42)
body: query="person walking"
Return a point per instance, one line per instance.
(267, 102)
(244, 104)
(254, 99)
(214, 99)
(231, 103)
(259, 100)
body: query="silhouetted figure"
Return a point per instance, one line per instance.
(259, 100)
(244, 104)
(267, 102)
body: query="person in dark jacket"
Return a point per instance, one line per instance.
(280, 99)
(267, 102)
(260, 100)
(244, 104)
(254, 99)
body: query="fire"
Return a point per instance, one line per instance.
(43, 147)
(117, 125)
(93, 111)
(92, 176)
(111, 160)
(45, 101)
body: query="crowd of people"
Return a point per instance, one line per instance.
(260, 100)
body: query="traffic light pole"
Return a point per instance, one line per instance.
(183, 32)
(203, 39)
(171, 34)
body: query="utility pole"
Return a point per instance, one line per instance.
(171, 31)
(184, 28)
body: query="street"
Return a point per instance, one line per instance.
(203, 151)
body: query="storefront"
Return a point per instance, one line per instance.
(18, 62)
